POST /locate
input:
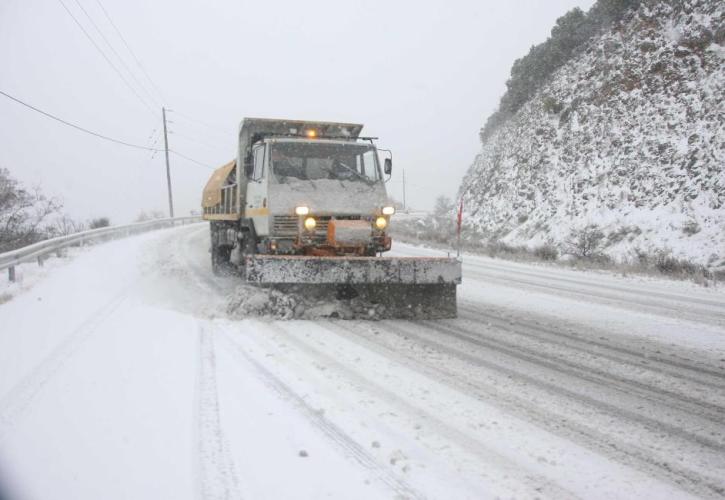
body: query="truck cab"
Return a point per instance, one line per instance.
(317, 196)
(299, 188)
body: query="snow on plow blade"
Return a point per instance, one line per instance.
(407, 287)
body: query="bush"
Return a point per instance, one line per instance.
(551, 105)
(65, 225)
(144, 216)
(99, 223)
(667, 264)
(495, 248)
(546, 252)
(585, 242)
(691, 227)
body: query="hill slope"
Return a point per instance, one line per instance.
(629, 135)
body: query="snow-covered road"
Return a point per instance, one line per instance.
(123, 376)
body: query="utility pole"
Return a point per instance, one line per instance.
(168, 169)
(404, 205)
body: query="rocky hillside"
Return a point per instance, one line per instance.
(628, 135)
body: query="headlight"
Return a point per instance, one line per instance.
(388, 210)
(310, 223)
(302, 210)
(381, 223)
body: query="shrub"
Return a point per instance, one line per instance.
(65, 225)
(691, 227)
(551, 105)
(495, 248)
(99, 222)
(585, 242)
(667, 264)
(144, 216)
(546, 252)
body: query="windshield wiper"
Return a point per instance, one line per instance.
(363, 177)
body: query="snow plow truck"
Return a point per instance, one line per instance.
(304, 206)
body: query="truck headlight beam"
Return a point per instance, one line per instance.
(381, 223)
(310, 223)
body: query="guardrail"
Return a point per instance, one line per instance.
(409, 216)
(37, 251)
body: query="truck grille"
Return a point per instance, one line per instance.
(321, 229)
(285, 226)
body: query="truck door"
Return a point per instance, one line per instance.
(257, 207)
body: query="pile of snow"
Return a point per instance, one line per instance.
(629, 135)
(300, 302)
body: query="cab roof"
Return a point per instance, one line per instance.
(270, 126)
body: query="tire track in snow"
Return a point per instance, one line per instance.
(699, 314)
(627, 453)
(218, 478)
(580, 373)
(338, 436)
(560, 362)
(502, 272)
(635, 292)
(350, 447)
(19, 398)
(534, 484)
(710, 377)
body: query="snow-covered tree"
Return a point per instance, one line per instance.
(23, 213)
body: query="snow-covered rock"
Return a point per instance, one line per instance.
(628, 135)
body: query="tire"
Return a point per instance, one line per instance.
(220, 264)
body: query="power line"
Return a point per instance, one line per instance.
(133, 54)
(107, 59)
(96, 134)
(110, 46)
(190, 159)
(78, 127)
(194, 120)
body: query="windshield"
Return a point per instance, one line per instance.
(314, 160)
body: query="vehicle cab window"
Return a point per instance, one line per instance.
(258, 170)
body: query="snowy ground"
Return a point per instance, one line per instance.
(123, 375)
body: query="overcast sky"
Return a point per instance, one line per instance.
(422, 76)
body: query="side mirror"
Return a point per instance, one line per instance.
(388, 166)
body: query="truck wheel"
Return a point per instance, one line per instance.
(216, 267)
(220, 264)
(219, 254)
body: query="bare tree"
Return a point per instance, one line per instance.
(65, 225)
(23, 213)
(585, 242)
(440, 224)
(144, 216)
